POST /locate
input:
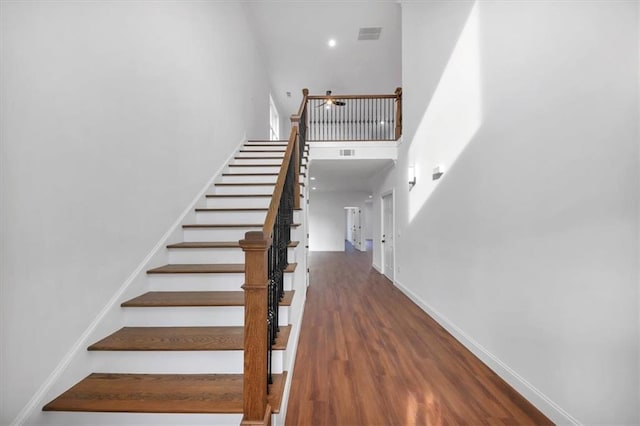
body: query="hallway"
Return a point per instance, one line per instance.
(369, 356)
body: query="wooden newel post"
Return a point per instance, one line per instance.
(256, 410)
(398, 112)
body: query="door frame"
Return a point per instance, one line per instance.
(392, 193)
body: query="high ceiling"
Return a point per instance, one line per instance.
(294, 35)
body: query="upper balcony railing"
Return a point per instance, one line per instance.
(354, 117)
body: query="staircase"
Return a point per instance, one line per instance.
(180, 357)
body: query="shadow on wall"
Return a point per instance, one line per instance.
(524, 241)
(452, 117)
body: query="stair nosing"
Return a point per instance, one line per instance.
(198, 299)
(222, 225)
(167, 339)
(206, 268)
(82, 397)
(215, 244)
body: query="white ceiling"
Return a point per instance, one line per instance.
(345, 175)
(293, 36)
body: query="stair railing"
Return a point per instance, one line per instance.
(354, 117)
(265, 264)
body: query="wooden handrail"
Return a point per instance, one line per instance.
(270, 220)
(303, 104)
(387, 96)
(295, 122)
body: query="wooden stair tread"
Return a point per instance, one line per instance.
(245, 184)
(264, 150)
(253, 165)
(259, 158)
(241, 195)
(159, 299)
(161, 393)
(256, 174)
(214, 244)
(229, 225)
(181, 339)
(235, 209)
(248, 183)
(250, 174)
(206, 268)
(238, 195)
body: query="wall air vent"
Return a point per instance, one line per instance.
(369, 33)
(347, 152)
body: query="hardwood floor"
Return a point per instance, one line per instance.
(369, 356)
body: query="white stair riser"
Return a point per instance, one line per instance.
(270, 161)
(238, 202)
(203, 282)
(244, 189)
(269, 169)
(210, 316)
(253, 178)
(274, 154)
(215, 234)
(250, 178)
(279, 147)
(213, 255)
(111, 419)
(175, 362)
(231, 217)
(227, 234)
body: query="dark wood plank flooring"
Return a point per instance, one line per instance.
(369, 356)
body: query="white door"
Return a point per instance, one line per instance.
(387, 235)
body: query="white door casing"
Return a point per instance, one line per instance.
(388, 245)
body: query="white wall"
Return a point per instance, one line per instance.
(114, 115)
(367, 214)
(527, 248)
(327, 218)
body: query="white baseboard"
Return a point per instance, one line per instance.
(37, 401)
(526, 389)
(377, 268)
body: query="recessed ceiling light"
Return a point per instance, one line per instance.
(332, 42)
(382, 122)
(370, 196)
(313, 178)
(314, 188)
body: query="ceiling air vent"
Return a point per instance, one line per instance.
(369, 33)
(347, 152)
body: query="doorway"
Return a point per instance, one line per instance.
(353, 227)
(387, 241)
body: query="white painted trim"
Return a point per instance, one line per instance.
(280, 418)
(526, 389)
(80, 345)
(391, 192)
(377, 268)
